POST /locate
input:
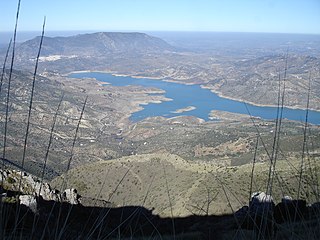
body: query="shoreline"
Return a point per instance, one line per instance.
(220, 94)
(256, 104)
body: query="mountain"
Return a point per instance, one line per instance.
(95, 44)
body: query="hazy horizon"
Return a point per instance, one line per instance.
(22, 36)
(267, 16)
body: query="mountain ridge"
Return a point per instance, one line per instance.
(95, 44)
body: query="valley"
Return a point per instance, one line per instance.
(195, 157)
(247, 74)
(160, 120)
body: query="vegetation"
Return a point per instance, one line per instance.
(215, 169)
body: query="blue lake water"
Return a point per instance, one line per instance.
(193, 95)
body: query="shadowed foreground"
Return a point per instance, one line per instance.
(65, 221)
(55, 220)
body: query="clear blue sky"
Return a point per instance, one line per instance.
(286, 16)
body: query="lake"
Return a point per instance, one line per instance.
(203, 100)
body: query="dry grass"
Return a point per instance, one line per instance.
(191, 184)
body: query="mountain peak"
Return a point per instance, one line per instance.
(97, 44)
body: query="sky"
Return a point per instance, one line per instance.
(278, 16)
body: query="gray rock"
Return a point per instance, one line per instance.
(43, 190)
(3, 195)
(55, 196)
(32, 187)
(4, 174)
(30, 201)
(286, 199)
(261, 204)
(71, 196)
(29, 180)
(261, 197)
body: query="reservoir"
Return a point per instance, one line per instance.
(203, 100)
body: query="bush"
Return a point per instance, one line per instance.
(11, 180)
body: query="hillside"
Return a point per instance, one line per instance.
(106, 132)
(46, 213)
(172, 167)
(94, 45)
(107, 111)
(160, 181)
(251, 77)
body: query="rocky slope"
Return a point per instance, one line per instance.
(33, 188)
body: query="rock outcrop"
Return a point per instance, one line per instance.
(261, 204)
(264, 217)
(29, 201)
(33, 189)
(71, 196)
(289, 210)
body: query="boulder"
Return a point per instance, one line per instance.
(259, 214)
(290, 210)
(30, 201)
(261, 197)
(3, 195)
(43, 190)
(261, 204)
(71, 196)
(33, 188)
(55, 195)
(29, 180)
(4, 174)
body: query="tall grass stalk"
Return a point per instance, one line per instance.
(253, 165)
(275, 145)
(31, 102)
(1, 83)
(96, 200)
(258, 132)
(3, 215)
(9, 81)
(104, 214)
(304, 147)
(231, 207)
(29, 116)
(144, 201)
(4, 65)
(49, 144)
(65, 180)
(170, 203)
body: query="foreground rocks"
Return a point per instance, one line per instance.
(74, 221)
(29, 201)
(31, 189)
(45, 213)
(267, 220)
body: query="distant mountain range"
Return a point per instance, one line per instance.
(95, 44)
